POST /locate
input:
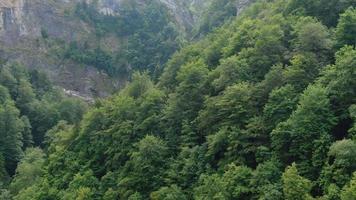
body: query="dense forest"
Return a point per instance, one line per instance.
(29, 106)
(261, 108)
(147, 33)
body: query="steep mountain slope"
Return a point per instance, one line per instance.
(21, 37)
(34, 33)
(91, 50)
(262, 108)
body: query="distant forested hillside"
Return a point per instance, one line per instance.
(262, 108)
(29, 106)
(149, 37)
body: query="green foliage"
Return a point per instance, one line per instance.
(234, 184)
(282, 101)
(349, 191)
(303, 70)
(339, 79)
(210, 187)
(5, 194)
(144, 171)
(352, 131)
(263, 92)
(185, 103)
(340, 164)
(326, 10)
(28, 171)
(265, 175)
(187, 167)
(346, 28)
(233, 108)
(295, 187)
(98, 58)
(82, 187)
(71, 110)
(236, 180)
(3, 173)
(110, 194)
(28, 110)
(216, 14)
(312, 36)
(11, 128)
(148, 30)
(40, 82)
(344, 153)
(230, 71)
(169, 193)
(300, 138)
(4, 94)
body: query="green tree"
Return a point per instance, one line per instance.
(271, 192)
(27, 132)
(40, 82)
(304, 137)
(265, 178)
(4, 177)
(346, 28)
(144, 172)
(312, 36)
(236, 180)
(295, 187)
(232, 108)
(326, 10)
(216, 14)
(4, 94)
(5, 194)
(82, 187)
(231, 70)
(8, 81)
(352, 131)
(172, 192)
(217, 146)
(349, 191)
(210, 187)
(136, 196)
(282, 101)
(185, 103)
(139, 85)
(25, 96)
(263, 50)
(110, 194)
(272, 80)
(11, 129)
(341, 164)
(43, 115)
(29, 170)
(303, 70)
(339, 80)
(188, 165)
(40, 190)
(332, 192)
(72, 110)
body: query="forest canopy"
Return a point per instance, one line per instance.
(263, 108)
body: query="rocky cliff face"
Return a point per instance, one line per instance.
(23, 24)
(26, 18)
(242, 4)
(184, 11)
(11, 13)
